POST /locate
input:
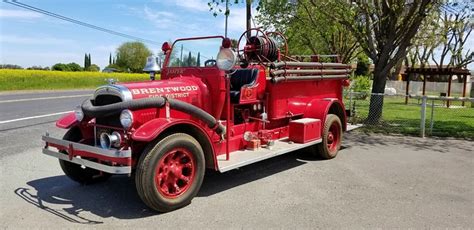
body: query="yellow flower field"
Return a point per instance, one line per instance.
(12, 79)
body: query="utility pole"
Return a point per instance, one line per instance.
(181, 56)
(249, 17)
(226, 15)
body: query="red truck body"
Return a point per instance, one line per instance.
(255, 116)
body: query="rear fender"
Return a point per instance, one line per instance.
(319, 108)
(67, 121)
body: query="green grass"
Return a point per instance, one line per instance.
(398, 117)
(50, 80)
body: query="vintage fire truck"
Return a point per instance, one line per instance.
(237, 106)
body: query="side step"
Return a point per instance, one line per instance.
(245, 157)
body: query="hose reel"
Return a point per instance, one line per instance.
(261, 47)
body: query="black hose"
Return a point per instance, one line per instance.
(155, 102)
(197, 112)
(107, 110)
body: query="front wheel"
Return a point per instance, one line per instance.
(170, 173)
(332, 137)
(80, 173)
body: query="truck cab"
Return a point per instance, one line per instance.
(215, 107)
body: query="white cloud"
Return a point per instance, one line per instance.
(159, 19)
(107, 48)
(37, 40)
(198, 5)
(19, 14)
(193, 5)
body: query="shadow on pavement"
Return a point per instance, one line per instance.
(117, 197)
(442, 145)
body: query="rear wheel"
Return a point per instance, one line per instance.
(170, 173)
(331, 137)
(80, 173)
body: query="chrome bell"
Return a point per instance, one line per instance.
(151, 65)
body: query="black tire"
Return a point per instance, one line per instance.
(331, 138)
(76, 172)
(151, 161)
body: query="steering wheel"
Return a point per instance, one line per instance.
(210, 62)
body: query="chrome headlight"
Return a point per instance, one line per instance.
(226, 59)
(126, 119)
(78, 113)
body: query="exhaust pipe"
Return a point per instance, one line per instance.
(107, 141)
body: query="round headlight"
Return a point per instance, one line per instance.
(78, 113)
(126, 119)
(226, 59)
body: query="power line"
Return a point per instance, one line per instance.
(85, 24)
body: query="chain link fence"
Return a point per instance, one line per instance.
(412, 115)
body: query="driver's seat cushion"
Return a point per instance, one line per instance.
(240, 78)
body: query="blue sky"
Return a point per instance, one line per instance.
(29, 38)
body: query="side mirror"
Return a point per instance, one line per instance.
(226, 59)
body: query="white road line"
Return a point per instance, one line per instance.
(43, 98)
(34, 117)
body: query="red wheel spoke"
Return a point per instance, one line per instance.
(184, 178)
(175, 172)
(177, 188)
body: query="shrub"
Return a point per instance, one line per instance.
(363, 65)
(361, 84)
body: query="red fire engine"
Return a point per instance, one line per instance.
(246, 104)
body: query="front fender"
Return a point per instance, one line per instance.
(67, 121)
(153, 128)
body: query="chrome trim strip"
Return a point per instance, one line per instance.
(117, 90)
(88, 148)
(90, 164)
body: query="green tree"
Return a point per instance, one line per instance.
(198, 61)
(94, 68)
(60, 67)
(74, 67)
(10, 66)
(384, 29)
(188, 60)
(110, 59)
(89, 61)
(132, 56)
(363, 65)
(308, 30)
(85, 61)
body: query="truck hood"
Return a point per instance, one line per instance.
(183, 88)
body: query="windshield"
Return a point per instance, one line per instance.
(195, 53)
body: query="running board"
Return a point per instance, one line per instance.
(245, 157)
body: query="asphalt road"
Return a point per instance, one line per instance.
(375, 182)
